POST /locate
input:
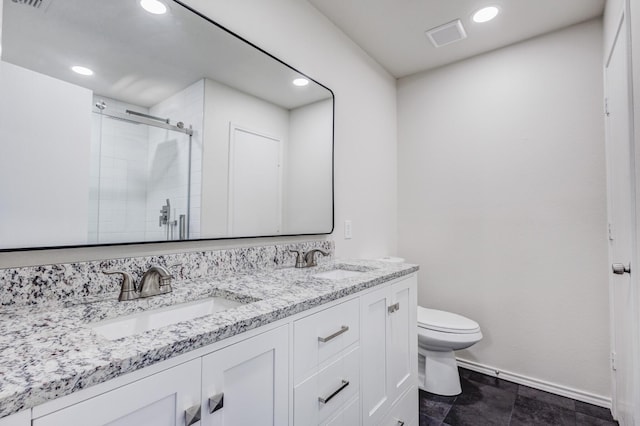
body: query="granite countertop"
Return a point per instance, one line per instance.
(50, 351)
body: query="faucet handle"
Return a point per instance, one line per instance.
(128, 290)
(299, 258)
(310, 259)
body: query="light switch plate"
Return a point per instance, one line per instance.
(347, 230)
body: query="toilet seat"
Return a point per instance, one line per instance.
(445, 322)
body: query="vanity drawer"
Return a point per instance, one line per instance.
(324, 334)
(349, 415)
(336, 384)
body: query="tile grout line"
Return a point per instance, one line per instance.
(513, 406)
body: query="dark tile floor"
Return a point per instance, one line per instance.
(486, 401)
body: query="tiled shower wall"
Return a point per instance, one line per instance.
(117, 201)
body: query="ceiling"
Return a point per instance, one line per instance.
(140, 58)
(393, 31)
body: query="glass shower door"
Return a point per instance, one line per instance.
(139, 175)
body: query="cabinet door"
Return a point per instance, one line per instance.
(389, 343)
(159, 400)
(404, 411)
(22, 418)
(250, 379)
(374, 342)
(403, 340)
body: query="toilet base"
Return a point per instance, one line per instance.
(441, 375)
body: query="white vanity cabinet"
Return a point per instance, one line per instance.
(349, 362)
(389, 353)
(252, 376)
(248, 383)
(160, 400)
(326, 361)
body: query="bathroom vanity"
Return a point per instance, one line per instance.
(330, 345)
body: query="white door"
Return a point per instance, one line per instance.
(160, 400)
(622, 225)
(246, 384)
(255, 183)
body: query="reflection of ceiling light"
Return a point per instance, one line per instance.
(82, 70)
(300, 82)
(154, 6)
(485, 14)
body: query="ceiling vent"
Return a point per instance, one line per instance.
(36, 4)
(447, 33)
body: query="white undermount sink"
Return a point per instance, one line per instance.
(130, 325)
(337, 274)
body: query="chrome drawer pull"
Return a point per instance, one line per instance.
(394, 307)
(216, 402)
(343, 329)
(344, 384)
(192, 415)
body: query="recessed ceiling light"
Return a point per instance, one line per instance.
(81, 70)
(486, 14)
(154, 6)
(300, 82)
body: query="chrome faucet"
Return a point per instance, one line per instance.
(156, 280)
(307, 260)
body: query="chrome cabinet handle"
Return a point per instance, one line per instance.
(216, 402)
(619, 268)
(343, 329)
(394, 307)
(192, 415)
(326, 399)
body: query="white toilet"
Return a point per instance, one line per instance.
(439, 334)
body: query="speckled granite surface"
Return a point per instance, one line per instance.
(48, 351)
(51, 284)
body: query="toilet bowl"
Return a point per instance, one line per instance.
(439, 334)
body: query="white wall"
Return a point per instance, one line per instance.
(308, 169)
(54, 189)
(224, 106)
(365, 127)
(365, 124)
(502, 202)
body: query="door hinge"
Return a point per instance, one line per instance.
(613, 361)
(606, 107)
(610, 232)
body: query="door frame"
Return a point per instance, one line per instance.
(623, 29)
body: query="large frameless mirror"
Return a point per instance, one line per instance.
(127, 121)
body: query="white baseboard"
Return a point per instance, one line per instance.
(555, 388)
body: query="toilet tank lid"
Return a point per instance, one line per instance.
(447, 322)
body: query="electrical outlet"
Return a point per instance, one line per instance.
(347, 230)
